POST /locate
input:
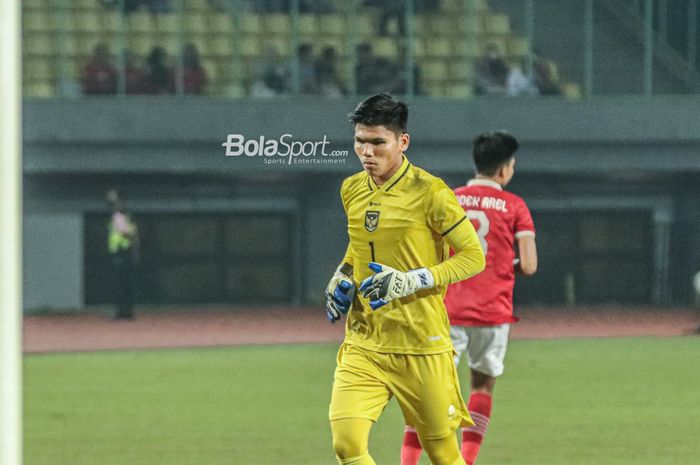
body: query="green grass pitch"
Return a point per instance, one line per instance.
(561, 402)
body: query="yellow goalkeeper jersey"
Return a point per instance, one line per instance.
(409, 222)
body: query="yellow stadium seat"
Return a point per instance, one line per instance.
(171, 44)
(442, 24)
(221, 47)
(308, 25)
(38, 44)
(76, 65)
(87, 4)
(462, 91)
(86, 44)
(211, 70)
(195, 23)
(435, 70)
(499, 41)
(420, 25)
(385, 48)
(478, 5)
(496, 24)
(468, 48)
(231, 71)
(112, 21)
(282, 45)
(452, 6)
(141, 45)
(435, 88)
(221, 22)
(461, 70)
(36, 20)
(233, 90)
(469, 25)
(69, 45)
(38, 69)
(332, 24)
(365, 25)
(167, 23)
(278, 23)
(196, 5)
(31, 4)
(140, 22)
(88, 21)
(63, 21)
(419, 49)
(438, 48)
(251, 23)
(250, 46)
(40, 89)
(572, 91)
(518, 46)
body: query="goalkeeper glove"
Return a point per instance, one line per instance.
(340, 293)
(389, 284)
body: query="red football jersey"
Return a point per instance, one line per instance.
(499, 217)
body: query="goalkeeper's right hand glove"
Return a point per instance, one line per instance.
(340, 293)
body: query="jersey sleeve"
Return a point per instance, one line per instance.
(347, 265)
(448, 219)
(442, 209)
(524, 225)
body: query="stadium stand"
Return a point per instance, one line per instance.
(446, 43)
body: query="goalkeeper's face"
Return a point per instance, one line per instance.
(380, 150)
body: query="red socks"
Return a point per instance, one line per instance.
(411, 448)
(480, 411)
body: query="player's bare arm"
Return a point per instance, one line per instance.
(527, 259)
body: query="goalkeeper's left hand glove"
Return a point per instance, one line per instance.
(389, 284)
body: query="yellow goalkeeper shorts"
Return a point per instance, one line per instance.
(426, 388)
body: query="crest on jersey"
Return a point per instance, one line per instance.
(371, 220)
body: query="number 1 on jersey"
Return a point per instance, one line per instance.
(371, 249)
(483, 228)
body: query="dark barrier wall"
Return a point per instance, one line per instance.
(577, 158)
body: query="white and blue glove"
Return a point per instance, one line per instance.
(389, 284)
(340, 294)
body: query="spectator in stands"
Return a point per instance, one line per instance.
(134, 74)
(129, 6)
(158, 6)
(194, 75)
(491, 72)
(99, 74)
(284, 6)
(546, 76)
(517, 82)
(388, 10)
(272, 76)
(159, 75)
(308, 83)
(370, 72)
(329, 83)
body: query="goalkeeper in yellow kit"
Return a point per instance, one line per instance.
(401, 223)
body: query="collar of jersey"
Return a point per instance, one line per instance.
(485, 182)
(393, 180)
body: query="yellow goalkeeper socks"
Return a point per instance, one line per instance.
(361, 460)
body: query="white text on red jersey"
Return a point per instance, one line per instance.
(483, 203)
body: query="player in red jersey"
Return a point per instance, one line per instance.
(481, 308)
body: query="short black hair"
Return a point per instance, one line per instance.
(493, 149)
(381, 110)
